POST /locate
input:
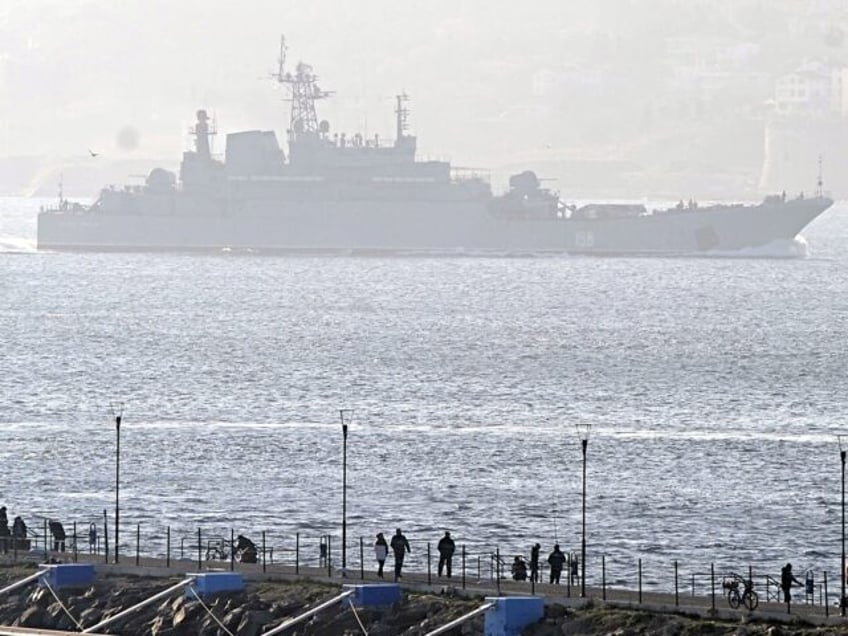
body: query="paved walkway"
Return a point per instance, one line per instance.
(700, 605)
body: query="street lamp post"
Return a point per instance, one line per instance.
(117, 477)
(842, 452)
(345, 415)
(583, 434)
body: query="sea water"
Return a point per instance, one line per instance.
(714, 389)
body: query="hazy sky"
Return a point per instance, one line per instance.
(73, 73)
(655, 86)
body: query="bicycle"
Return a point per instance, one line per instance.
(747, 597)
(217, 551)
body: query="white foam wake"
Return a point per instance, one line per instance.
(781, 248)
(16, 245)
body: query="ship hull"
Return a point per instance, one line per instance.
(461, 227)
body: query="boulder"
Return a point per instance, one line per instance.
(32, 617)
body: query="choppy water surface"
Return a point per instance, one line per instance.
(715, 390)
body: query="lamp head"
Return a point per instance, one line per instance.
(117, 410)
(583, 431)
(345, 415)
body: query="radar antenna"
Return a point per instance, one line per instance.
(819, 180)
(281, 61)
(304, 90)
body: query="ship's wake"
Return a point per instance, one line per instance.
(16, 245)
(781, 248)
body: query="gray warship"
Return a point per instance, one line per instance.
(335, 194)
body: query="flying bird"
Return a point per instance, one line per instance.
(92, 153)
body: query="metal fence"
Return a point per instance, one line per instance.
(472, 564)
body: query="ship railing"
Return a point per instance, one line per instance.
(470, 174)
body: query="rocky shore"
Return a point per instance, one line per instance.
(267, 603)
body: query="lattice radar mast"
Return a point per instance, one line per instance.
(304, 91)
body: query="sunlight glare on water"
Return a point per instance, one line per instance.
(715, 390)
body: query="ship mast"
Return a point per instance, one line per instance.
(202, 135)
(304, 90)
(402, 113)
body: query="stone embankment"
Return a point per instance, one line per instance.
(266, 603)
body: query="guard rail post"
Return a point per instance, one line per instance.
(604, 577)
(676, 588)
(640, 581)
(712, 583)
(463, 566)
(429, 566)
(826, 608)
(105, 537)
(498, 566)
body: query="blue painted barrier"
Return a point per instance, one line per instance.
(69, 575)
(375, 594)
(511, 614)
(209, 584)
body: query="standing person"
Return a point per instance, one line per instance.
(19, 529)
(19, 533)
(786, 580)
(534, 562)
(381, 551)
(4, 530)
(446, 549)
(575, 568)
(400, 546)
(556, 559)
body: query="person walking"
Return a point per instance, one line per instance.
(446, 549)
(381, 551)
(786, 580)
(556, 559)
(534, 562)
(400, 546)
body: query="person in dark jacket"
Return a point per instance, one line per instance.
(446, 549)
(381, 551)
(19, 529)
(4, 530)
(556, 559)
(519, 569)
(534, 562)
(400, 546)
(786, 580)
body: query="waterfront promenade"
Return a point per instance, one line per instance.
(707, 603)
